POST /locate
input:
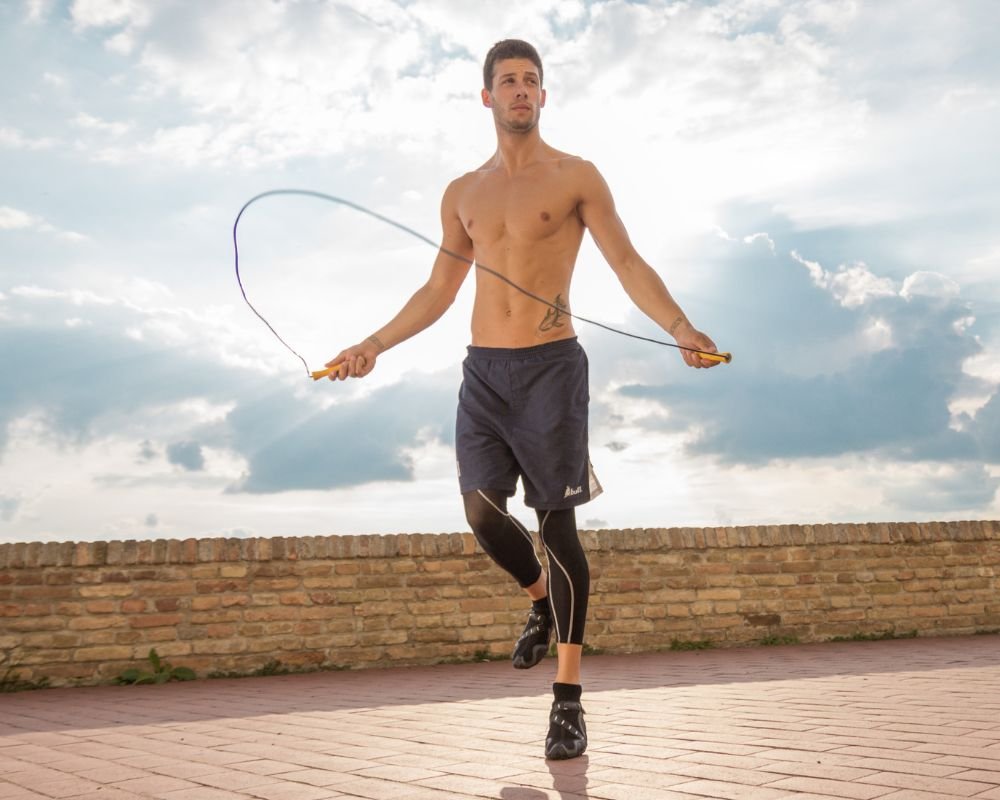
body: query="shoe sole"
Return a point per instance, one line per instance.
(537, 654)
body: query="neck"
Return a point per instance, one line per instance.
(518, 150)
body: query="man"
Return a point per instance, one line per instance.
(523, 402)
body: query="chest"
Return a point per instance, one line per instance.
(529, 208)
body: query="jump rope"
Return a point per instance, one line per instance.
(318, 374)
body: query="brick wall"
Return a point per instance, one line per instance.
(80, 613)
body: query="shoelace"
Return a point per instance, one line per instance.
(565, 723)
(541, 623)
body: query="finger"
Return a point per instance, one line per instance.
(333, 366)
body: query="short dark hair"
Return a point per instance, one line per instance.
(509, 48)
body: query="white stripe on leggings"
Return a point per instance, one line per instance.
(512, 518)
(572, 597)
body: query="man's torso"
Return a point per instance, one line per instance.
(525, 226)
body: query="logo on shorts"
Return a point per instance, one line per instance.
(570, 492)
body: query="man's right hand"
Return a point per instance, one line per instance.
(356, 361)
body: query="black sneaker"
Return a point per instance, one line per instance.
(567, 732)
(533, 644)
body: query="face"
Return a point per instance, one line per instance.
(517, 97)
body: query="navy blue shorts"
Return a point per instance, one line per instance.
(522, 412)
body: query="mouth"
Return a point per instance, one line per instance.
(520, 108)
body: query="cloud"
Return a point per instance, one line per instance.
(886, 365)
(929, 284)
(14, 139)
(146, 451)
(13, 219)
(754, 237)
(946, 489)
(112, 384)
(88, 122)
(90, 380)
(259, 92)
(986, 429)
(853, 285)
(728, 81)
(9, 506)
(187, 455)
(109, 13)
(37, 10)
(348, 444)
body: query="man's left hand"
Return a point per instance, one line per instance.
(689, 337)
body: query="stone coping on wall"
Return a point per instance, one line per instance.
(205, 550)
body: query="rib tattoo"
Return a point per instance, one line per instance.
(554, 317)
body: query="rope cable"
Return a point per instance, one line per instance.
(417, 234)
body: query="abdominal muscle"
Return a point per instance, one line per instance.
(504, 317)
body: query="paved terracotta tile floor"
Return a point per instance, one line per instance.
(911, 719)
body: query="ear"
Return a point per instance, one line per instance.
(487, 98)
(541, 99)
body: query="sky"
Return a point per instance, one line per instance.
(816, 181)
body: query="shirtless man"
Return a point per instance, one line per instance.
(523, 402)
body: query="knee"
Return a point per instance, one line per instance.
(476, 514)
(484, 514)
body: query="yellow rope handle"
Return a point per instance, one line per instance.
(724, 358)
(322, 373)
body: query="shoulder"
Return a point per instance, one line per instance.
(585, 177)
(579, 164)
(575, 167)
(455, 189)
(457, 184)
(463, 183)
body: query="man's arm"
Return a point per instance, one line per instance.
(640, 281)
(426, 305)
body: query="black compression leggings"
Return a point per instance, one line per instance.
(509, 544)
